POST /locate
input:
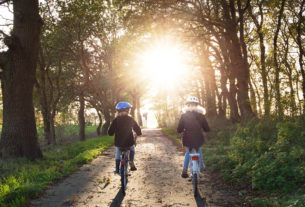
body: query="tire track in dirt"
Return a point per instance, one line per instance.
(157, 182)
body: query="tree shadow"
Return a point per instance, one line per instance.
(117, 201)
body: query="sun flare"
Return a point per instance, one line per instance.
(164, 64)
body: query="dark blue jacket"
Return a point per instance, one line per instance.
(191, 124)
(121, 127)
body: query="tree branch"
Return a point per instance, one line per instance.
(5, 35)
(4, 1)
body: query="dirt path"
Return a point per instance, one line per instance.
(157, 182)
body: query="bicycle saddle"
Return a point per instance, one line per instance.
(193, 148)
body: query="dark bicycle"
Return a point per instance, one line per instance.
(124, 168)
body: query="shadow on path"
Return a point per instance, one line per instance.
(200, 201)
(117, 201)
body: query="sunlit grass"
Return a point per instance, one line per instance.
(22, 179)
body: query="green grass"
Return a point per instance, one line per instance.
(22, 179)
(172, 133)
(63, 132)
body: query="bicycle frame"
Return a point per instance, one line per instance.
(194, 162)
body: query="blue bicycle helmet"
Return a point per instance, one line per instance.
(123, 105)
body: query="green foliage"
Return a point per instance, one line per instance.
(172, 133)
(22, 179)
(63, 132)
(268, 155)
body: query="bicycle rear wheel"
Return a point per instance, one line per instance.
(195, 184)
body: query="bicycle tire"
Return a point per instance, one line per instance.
(195, 184)
(125, 175)
(122, 172)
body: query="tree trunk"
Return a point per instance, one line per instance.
(301, 50)
(139, 116)
(134, 104)
(208, 75)
(260, 33)
(46, 127)
(253, 98)
(279, 106)
(224, 94)
(81, 117)
(19, 135)
(264, 75)
(107, 123)
(239, 68)
(234, 115)
(242, 75)
(98, 129)
(52, 131)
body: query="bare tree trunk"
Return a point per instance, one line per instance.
(279, 106)
(260, 33)
(46, 127)
(253, 98)
(210, 85)
(239, 66)
(81, 117)
(52, 130)
(19, 135)
(290, 75)
(139, 116)
(107, 122)
(224, 94)
(301, 50)
(234, 115)
(258, 98)
(134, 105)
(98, 129)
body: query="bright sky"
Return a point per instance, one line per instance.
(164, 63)
(6, 17)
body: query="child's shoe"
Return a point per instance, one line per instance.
(184, 173)
(132, 166)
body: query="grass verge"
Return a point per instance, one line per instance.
(22, 179)
(172, 133)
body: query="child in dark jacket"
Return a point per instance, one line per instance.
(121, 127)
(191, 124)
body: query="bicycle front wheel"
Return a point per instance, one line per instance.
(123, 179)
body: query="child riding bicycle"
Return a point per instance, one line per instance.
(191, 123)
(122, 127)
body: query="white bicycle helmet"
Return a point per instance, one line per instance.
(192, 99)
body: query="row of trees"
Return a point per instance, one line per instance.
(74, 63)
(248, 61)
(250, 55)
